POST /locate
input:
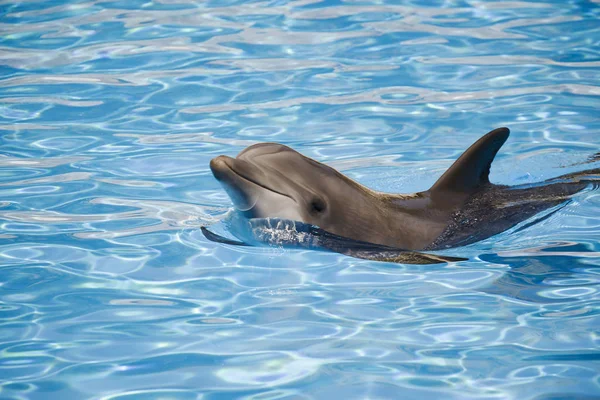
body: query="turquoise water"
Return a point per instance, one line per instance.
(110, 112)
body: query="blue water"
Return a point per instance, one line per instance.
(110, 112)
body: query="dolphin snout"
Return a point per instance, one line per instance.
(231, 169)
(221, 167)
(241, 191)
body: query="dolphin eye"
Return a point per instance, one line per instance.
(317, 206)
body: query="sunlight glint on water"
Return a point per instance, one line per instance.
(111, 111)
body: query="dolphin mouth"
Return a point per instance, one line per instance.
(236, 182)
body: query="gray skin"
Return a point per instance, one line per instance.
(269, 180)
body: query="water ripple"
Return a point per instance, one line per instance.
(111, 111)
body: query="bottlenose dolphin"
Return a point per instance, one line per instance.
(279, 189)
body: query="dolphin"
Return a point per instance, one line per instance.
(280, 190)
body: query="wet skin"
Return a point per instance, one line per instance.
(269, 180)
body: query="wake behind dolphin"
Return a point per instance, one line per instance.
(280, 190)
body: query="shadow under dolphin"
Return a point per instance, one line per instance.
(291, 200)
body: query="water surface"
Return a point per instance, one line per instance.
(110, 112)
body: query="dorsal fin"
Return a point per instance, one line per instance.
(472, 168)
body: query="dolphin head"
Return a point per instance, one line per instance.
(272, 180)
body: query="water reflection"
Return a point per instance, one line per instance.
(544, 275)
(111, 111)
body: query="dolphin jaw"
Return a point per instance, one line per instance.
(236, 186)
